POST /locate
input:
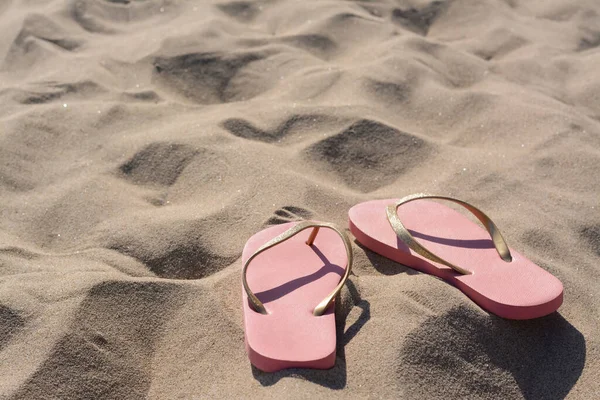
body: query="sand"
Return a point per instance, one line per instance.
(142, 143)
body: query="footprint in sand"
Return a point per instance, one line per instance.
(369, 154)
(481, 356)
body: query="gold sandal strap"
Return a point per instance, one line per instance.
(411, 242)
(257, 305)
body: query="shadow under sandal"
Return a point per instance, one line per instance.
(290, 278)
(435, 239)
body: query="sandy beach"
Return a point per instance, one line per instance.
(142, 142)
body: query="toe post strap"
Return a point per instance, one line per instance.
(411, 242)
(320, 309)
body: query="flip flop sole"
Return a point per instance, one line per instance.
(290, 279)
(515, 290)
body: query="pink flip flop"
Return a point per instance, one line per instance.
(424, 235)
(290, 279)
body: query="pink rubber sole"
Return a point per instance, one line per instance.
(515, 290)
(291, 279)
